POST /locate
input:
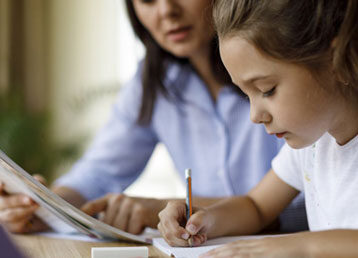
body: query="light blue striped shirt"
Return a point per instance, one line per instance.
(217, 140)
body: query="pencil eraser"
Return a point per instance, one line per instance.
(122, 252)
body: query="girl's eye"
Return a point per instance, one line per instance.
(269, 92)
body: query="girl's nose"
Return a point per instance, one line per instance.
(259, 115)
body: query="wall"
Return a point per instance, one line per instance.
(93, 50)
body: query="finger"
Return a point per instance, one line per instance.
(2, 185)
(114, 203)
(15, 200)
(199, 239)
(41, 179)
(96, 206)
(17, 214)
(172, 241)
(18, 226)
(124, 212)
(174, 212)
(100, 216)
(136, 222)
(35, 224)
(198, 222)
(170, 219)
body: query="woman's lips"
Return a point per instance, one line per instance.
(179, 34)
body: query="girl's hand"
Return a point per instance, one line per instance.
(17, 211)
(268, 247)
(176, 231)
(130, 214)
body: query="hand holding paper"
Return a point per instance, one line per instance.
(17, 211)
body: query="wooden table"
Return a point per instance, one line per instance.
(35, 246)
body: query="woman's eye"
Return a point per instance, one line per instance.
(146, 1)
(269, 92)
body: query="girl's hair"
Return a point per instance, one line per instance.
(154, 67)
(307, 32)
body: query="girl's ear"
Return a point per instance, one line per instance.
(333, 70)
(334, 43)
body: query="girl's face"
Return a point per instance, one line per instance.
(284, 97)
(182, 27)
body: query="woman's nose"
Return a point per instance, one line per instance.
(168, 8)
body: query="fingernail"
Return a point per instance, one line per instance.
(185, 236)
(191, 242)
(27, 200)
(191, 228)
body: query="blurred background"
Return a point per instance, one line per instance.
(62, 62)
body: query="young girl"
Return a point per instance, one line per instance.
(181, 96)
(298, 63)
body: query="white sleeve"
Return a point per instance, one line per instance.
(288, 166)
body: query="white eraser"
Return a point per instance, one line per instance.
(122, 252)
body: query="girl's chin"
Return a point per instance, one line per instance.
(296, 144)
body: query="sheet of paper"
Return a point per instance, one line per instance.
(73, 236)
(194, 252)
(148, 233)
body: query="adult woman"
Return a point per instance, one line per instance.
(181, 96)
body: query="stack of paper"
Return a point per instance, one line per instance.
(56, 212)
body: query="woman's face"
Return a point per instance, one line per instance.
(181, 27)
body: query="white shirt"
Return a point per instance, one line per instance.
(328, 175)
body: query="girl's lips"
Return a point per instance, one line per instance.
(280, 135)
(179, 34)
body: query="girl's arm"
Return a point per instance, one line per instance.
(322, 244)
(251, 213)
(331, 243)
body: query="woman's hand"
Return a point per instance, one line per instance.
(130, 214)
(268, 247)
(17, 211)
(176, 230)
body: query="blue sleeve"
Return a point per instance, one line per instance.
(119, 151)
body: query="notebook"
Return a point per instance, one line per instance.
(194, 252)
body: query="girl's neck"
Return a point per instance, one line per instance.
(201, 63)
(346, 122)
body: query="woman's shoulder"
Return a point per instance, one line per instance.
(173, 70)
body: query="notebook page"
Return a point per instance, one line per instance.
(194, 252)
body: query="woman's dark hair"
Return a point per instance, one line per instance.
(154, 67)
(298, 31)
